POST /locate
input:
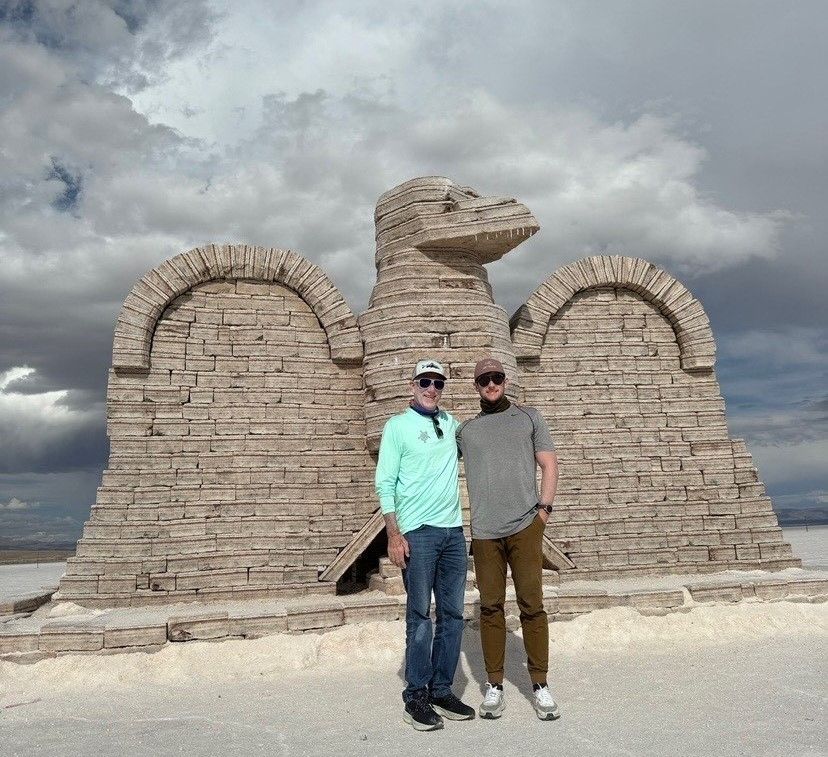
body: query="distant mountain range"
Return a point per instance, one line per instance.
(35, 543)
(803, 516)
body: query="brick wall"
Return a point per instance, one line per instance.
(650, 479)
(238, 465)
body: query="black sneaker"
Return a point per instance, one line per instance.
(451, 707)
(419, 713)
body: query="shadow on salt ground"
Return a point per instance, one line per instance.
(516, 672)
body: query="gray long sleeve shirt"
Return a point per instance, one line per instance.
(499, 453)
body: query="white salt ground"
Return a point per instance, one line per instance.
(18, 581)
(724, 680)
(809, 545)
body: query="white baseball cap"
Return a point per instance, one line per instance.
(429, 366)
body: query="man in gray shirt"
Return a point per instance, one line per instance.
(502, 447)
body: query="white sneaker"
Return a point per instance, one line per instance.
(545, 706)
(492, 705)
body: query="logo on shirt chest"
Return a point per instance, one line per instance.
(423, 436)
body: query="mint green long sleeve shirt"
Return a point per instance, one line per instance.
(417, 473)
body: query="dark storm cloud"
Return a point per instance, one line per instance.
(127, 41)
(78, 446)
(789, 290)
(72, 492)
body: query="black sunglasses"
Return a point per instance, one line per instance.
(484, 378)
(437, 429)
(424, 383)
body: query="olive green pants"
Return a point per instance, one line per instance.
(523, 554)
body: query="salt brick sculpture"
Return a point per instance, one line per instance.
(432, 295)
(245, 404)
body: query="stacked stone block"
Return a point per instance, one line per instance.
(432, 297)
(238, 465)
(650, 479)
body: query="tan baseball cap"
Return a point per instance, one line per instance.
(488, 365)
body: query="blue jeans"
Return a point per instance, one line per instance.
(438, 562)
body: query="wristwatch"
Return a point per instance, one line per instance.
(547, 508)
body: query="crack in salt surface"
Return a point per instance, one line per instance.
(20, 704)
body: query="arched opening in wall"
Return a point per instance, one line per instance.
(357, 576)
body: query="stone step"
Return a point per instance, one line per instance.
(388, 578)
(30, 639)
(26, 604)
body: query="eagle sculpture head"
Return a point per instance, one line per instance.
(433, 212)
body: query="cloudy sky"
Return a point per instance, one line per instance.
(691, 134)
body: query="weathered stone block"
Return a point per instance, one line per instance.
(256, 625)
(387, 609)
(586, 602)
(211, 578)
(198, 625)
(71, 636)
(817, 587)
(14, 640)
(135, 635)
(769, 591)
(747, 552)
(654, 599)
(722, 553)
(716, 593)
(310, 618)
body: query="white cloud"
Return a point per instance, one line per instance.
(27, 409)
(107, 185)
(15, 504)
(122, 43)
(14, 374)
(39, 426)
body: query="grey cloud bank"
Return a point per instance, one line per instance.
(133, 131)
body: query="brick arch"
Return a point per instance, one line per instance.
(237, 464)
(155, 291)
(697, 348)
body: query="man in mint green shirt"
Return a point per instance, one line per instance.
(417, 485)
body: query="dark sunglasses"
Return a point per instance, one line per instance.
(437, 429)
(424, 383)
(484, 378)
